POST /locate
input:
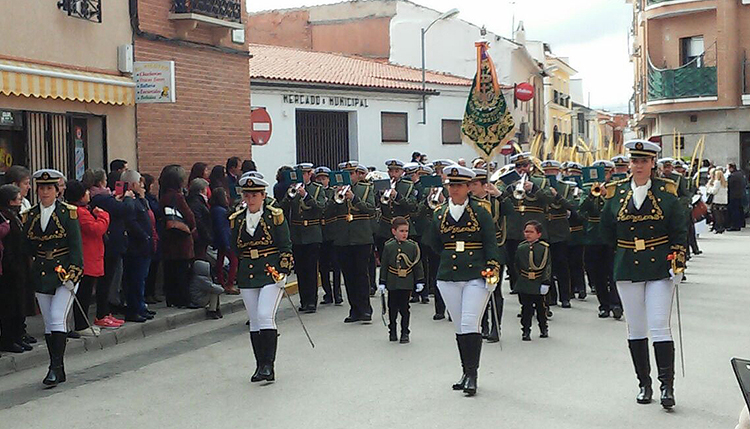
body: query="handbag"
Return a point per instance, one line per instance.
(700, 210)
(173, 220)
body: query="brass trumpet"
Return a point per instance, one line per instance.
(388, 194)
(519, 191)
(596, 189)
(433, 199)
(294, 190)
(340, 196)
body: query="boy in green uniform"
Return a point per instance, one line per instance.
(534, 272)
(400, 269)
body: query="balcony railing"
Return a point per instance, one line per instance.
(694, 79)
(226, 10)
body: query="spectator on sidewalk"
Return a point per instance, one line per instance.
(204, 293)
(197, 200)
(222, 241)
(736, 184)
(13, 272)
(718, 188)
(199, 170)
(248, 165)
(217, 178)
(140, 228)
(116, 168)
(177, 239)
(153, 203)
(94, 224)
(118, 208)
(234, 171)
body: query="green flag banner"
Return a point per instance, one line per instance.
(487, 120)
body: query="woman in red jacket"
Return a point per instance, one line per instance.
(94, 224)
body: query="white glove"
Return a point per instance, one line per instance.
(69, 285)
(490, 286)
(281, 284)
(381, 288)
(544, 289)
(420, 287)
(676, 278)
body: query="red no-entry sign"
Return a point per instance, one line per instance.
(262, 127)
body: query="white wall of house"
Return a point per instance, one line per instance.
(364, 125)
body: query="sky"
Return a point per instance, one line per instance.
(593, 34)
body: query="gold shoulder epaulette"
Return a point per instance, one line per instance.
(234, 215)
(670, 186)
(277, 213)
(73, 210)
(611, 189)
(485, 204)
(543, 243)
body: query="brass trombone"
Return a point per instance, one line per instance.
(519, 191)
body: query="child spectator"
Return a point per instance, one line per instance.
(534, 272)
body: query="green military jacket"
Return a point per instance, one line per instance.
(644, 237)
(305, 214)
(401, 265)
(683, 190)
(270, 245)
(532, 207)
(591, 209)
(352, 220)
(577, 221)
(499, 210)
(404, 204)
(59, 245)
(533, 266)
(327, 222)
(560, 206)
(421, 215)
(467, 246)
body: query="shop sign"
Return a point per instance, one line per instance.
(322, 100)
(154, 81)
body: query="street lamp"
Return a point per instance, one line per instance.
(447, 15)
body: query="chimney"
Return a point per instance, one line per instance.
(520, 35)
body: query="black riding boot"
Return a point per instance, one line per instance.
(269, 339)
(257, 344)
(56, 346)
(473, 352)
(642, 364)
(665, 364)
(461, 341)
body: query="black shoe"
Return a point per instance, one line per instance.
(29, 339)
(269, 339)
(366, 319)
(326, 301)
(339, 302)
(582, 296)
(414, 299)
(550, 314)
(74, 335)
(12, 348)
(603, 314)
(151, 312)
(526, 336)
(699, 252)
(494, 335)
(645, 394)
(425, 300)
(617, 313)
(373, 290)
(149, 316)
(565, 304)
(351, 319)
(392, 335)
(25, 346)
(136, 318)
(664, 352)
(512, 292)
(438, 316)
(473, 353)
(212, 315)
(642, 365)
(404, 338)
(544, 332)
(56, 347)
(461, 341)
(309, 309)
(552, 304)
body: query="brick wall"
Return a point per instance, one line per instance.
(290, 29)
(211, 119)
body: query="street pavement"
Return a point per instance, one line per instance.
(197, 376)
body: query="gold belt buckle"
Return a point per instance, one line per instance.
(349, 217)
(640, 244)
(460, 245)
(402, 272)
(521, 209)
(532, 275)
(304, 223)
(254, 254)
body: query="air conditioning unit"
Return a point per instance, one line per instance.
(125, 58)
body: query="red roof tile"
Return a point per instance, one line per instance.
(289, 64)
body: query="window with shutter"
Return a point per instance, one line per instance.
(451, 131)
(394, 127)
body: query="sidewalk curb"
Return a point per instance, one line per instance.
(11, 363)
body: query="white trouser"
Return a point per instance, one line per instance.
(648, 308)
(261, 305)
(466, 302)
(56, 308)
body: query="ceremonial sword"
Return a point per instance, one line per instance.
(278, 277)
(673, 258)
(382, 309)
(60, 270)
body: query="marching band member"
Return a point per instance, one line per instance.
(328, 264)
(421, 215)
(305, 202)
(560, 209)
(433, 259)
(354, 241)
(260, 239)
(463, 234)
(644, 219)
(622, 164)
(54, 244)
(577, 241)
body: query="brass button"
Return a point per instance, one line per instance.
(43, 273)
(471, 253)
(622, 191)
(632, 228)
(470, 265)
(661, 188)
(453, 235)
(251, 276)
(250, 266)
(453, 256)
(652, 227)
(636, 262)
(468, 223)
(653, 210)
(653, 260)
(652, 249)
(658, 199)
(455, 268)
